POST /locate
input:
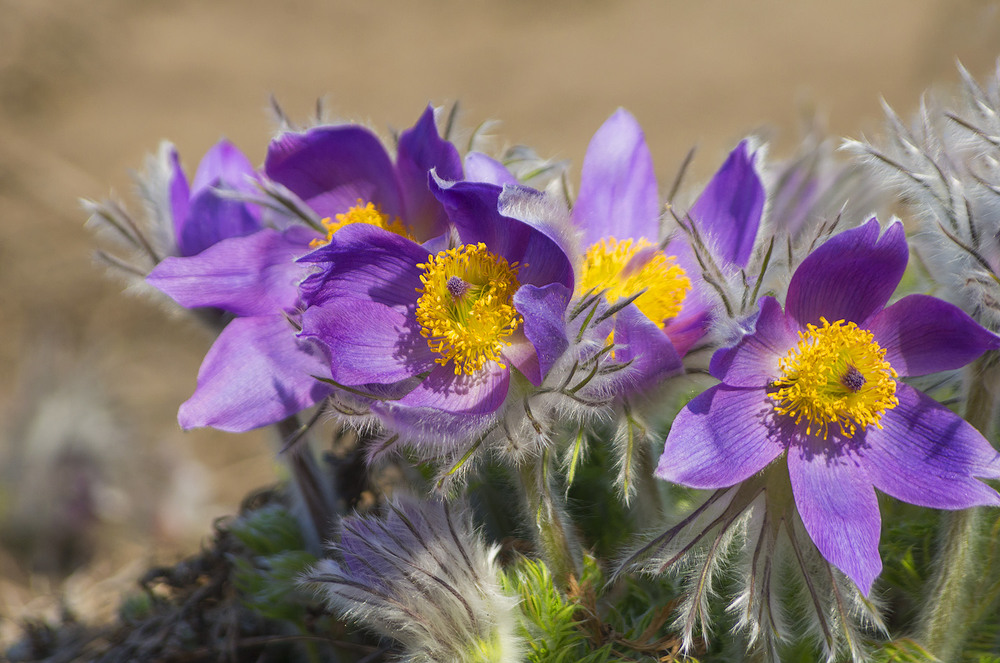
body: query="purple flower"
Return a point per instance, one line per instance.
(816, 383)
(618, 211)
(201, 217)
(258, 371)
(441, 331)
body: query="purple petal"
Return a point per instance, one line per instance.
(719, 439)
(252, 275)
(364, 261)
(618, 191)
(180, 193)
(368, 342)
(753, 361)
(213, 218)
(691, 324)
(223, 162)
(927, 455)
(446, 410)
(850, 277)
(838, 507)
(640, 341)
(922, 334)
(473, 208)
(730, 207)
(420, 151)
(256, 373)
(332, 167)
(481, 168)
(544, 313)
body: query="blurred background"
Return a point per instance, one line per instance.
(96, 479)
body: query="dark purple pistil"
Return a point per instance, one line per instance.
(853, 379)
(457, 287)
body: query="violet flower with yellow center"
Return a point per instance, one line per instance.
(429, 340)
(618, 211)
(816, 386)
(259, 372)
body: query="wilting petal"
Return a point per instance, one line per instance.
(922, 334)
(719, 439)
(753, 361)
(925, 454)
(641, 341)
(544, 313)
(481, 168)
(252, 275)
(850, 277)
(332, 167)
(365, 261)
(421, 150)
(256, 373)
(618, 190)
(474, 209)
(368, 342)
(838, 507)
(730, 207)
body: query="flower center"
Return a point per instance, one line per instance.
(466, 306)
(837, 374)
(623, 268)
(361, 213)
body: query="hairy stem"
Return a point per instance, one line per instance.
(949, 614)
(555, 537)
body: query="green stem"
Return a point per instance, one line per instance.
(950, 614)
(557, 542)
(307, 486)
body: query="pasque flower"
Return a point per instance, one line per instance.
(431, 335)
(817, 386)
(258, 371)
(618, 212)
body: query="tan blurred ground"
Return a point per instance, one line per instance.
(88, 87)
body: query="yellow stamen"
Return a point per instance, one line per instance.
(606, 266)
(837, 374)
(361, 213)
(466, 308)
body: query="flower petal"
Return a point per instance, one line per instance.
(838, 507)
(365, 261)
(213, 218)
(922, 334)
(179, 191)
(753, 361)
(446, 410)
(481, 168)
(421, 150)
(474, 209)
(252, 275)
(618, 190)
(640, 341)
(368, 342)
(544, 313)
(332, 167)
(730, 208)
(256, 373)
(850, 277)
(719, 439)
(927, 455)
(225, 163)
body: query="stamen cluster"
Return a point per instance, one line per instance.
(616, 267)
(836, 374)
(466, 306)
(361, 213)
